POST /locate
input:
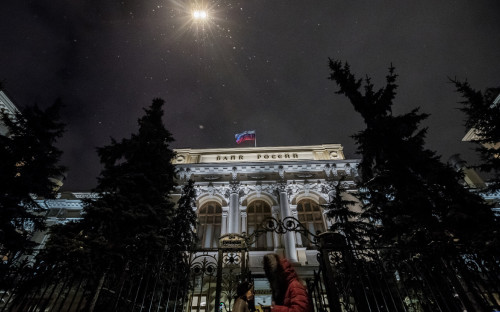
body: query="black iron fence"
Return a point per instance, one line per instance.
(203, 277)
(389, 279)
(347, 280)
(431, 278)
(154, 285)
(198, 283)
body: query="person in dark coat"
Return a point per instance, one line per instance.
(288, 293)
(244, 298)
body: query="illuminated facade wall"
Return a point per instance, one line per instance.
(238, 188)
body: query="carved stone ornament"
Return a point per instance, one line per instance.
(184, 174)
(235, 187)
(257, 176)
(293, 189)
(281, 172)
(328, 170)
(304, 175)
(348, 169)
(211, 177)
(281, 187)
(258, 190)
(334, 170)
(307, 188)
(180, 159)
(321, 188)
(210, 190)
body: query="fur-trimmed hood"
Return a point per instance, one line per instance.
(278, 270)
(289, 294)
(274, 265)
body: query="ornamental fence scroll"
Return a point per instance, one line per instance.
(203, 268)
(288, 224)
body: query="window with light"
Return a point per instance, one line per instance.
(258, 211)
(311, 216)
(209, 225)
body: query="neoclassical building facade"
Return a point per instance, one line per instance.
(238, 188)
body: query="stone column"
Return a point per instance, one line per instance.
(290, 250)
(234, 210)
(243, 221)
(223, 228)
(295, 214)
(276, 215)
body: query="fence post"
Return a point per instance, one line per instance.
(97, 292)
(219, 280)
(327, 240)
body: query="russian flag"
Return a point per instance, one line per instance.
(245, 136)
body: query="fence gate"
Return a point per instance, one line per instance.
(215, 275)
(231, 270)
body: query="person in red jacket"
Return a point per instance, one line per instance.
(288, 293)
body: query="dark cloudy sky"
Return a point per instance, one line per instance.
(256, 64)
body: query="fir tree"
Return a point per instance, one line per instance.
(134, 212)
(185, 219)
(415, 197)
(483, 115)
(345, 220)
(131, 230)
(28, 168)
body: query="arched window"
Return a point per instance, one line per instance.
(311, 216)
(258, 211)
(209, 219)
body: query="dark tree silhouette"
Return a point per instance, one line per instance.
(184, 234)
(483, 115)
(132, 230)
(414, 197)
(28, 167)
(346, 221)
(133, 213)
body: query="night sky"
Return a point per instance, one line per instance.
(253, 65)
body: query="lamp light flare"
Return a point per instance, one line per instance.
(200, 15)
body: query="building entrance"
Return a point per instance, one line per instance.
(216, 274)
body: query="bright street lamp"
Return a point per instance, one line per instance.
(199, 15)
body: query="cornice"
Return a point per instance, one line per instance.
(258, 170)
(259, 149)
